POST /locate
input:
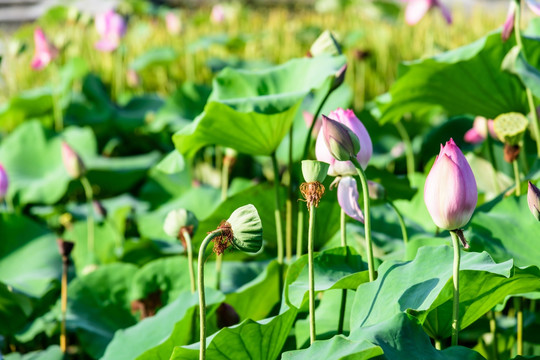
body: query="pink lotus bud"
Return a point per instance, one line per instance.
(72, 162)
(347, 194)
(450, 191)
(508, 26)
(340, 77)
(4, 183)
(173, 23)
(478, 132)
(111, 27)
(533, 199)
(346, 120)
(218, 14)
(44, 51)
(416, 9)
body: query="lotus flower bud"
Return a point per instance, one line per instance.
(4, 183)
(44, 51)
(508, 26)
(173, 23)
(326, 44)
(340, 77)
(352, 125)
(218, 14)
(243, 230)
(450, 192)
(314, 171)
(533, 199)
(416, 9)
(479, 131)
(111, 27)
(342, 143)
(178, 220)
(72, 162)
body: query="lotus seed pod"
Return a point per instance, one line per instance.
(325, 44)
(510, 127)
(178, 219)
(314, 171)
(246, 229)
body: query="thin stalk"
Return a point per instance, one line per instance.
(63, 304)
(401, 222)
(90, 218)
(225, 170)
(516, 176)
(409, 153)
(455, 274)
(493, 330)
(300, 232)
(491, 157)
(289, 202)
(518, 303)
(343, 228)
(277, 210)
(312, 126)
(530, 98)
(57, 108)
(189, 250)
(367, 218)
(312, 332)
(202, 301)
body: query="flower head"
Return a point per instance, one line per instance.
(4, 182)
(478, 133)
(416, 9)
(336, 132)
(533, 199)
(72, 162)
(111, 27)
(450, 192)
(44, 51)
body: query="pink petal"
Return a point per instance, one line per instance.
(415, 11)
(3, 182)
(107, 44)
(472, 136)
(348, 198)
(508, 26)
(534, 5)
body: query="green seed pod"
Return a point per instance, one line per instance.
(314, 171)
(510, 127)
(325, 44)
(246, 229)
(178, 219)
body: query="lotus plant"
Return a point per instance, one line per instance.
(243, 231)
(416, 9)
(111, 27)
(482, 128)
(44, 51)
(182, 224)
(508, 26)
(450, 195)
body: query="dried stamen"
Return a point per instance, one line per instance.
(224, 240)
(312, 192)
(511, 152)
(181, 237)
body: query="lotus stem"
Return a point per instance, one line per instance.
(289, 203)
(202, 301)
(225, 170)
(343, 228)
(516, 176)
(518, 303)
(401, 222)
(367, 217)
(493, 330)
(491, 156)
(409, 153)
(63, 303)
(189, 249)
(312, 332)
(277, 211)
(300, 232)
(455, 274)
(90, 218)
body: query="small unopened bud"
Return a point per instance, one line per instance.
(314, 171)
(226, 316)
(179, 220)
(326, 44)
(340, 77)
(64, 247)
(510, 127)
(376, 190)
(339, 139)
(243, 230)
(533, 199)
(72, 162)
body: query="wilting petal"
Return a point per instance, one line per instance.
(348, 198)
(415, 11)
(508, 26)
(534, 5)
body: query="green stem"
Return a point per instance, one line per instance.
(493, 330)
(57, 108)
(300, 232)
(455, 274)
(312, 126)
(516, 176)
(367, 217)
(289, 202)
(518, 303)
(90, 218)
(312, 332)
(189, 251)
(277, 211)
(401, 222)
(202, 301)
(491, 157)
(343, 227)
(63, 302)
(225, 170)
(530, 98)
(409, 153)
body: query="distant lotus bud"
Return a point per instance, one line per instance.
(326, 44)
(450, 192)
(64, 247)
(132, 78)
(533, 199)
(314, 171)
(111, 27)
(44, 51)
(72, 162)
(226, 316)
(339, 139)
(179, 220)
(243, 230)
(218, 14)
(352, 125)
(508, 26)
(510, 127)
(173, 23)
(479, 131)
(230, 156)
(376, 190)
(340, 77)
(4, 183)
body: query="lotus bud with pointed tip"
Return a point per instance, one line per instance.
(178, 220)
(533, 199)
(326, 44)
(314, 171)
(450, 192)
(44, 52)
(339, 139)
(72, 162)
(4, 183)
(340, 77)
(243, 230)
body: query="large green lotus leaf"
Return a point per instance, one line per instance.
(421, 285)
(337, 348)
(251, 111)
(515, 63)
(506, 229)
(467, 80)
(29, 257)
(154, 57)
(14, 310)
(53, 352)
(236, 274)
(261, 340)
(98, 305)
(256, 299)
(401, 335)
(26, 105)
(338, 268)
(155, 337)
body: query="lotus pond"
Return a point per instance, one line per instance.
(350, 180)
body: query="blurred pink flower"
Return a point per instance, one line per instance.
(72, 162)
(508, 26)
(111, 27)
(416, 9)
(44, 51)
(4, 182)
(173, 23)
(478, 133)
(218, 14)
